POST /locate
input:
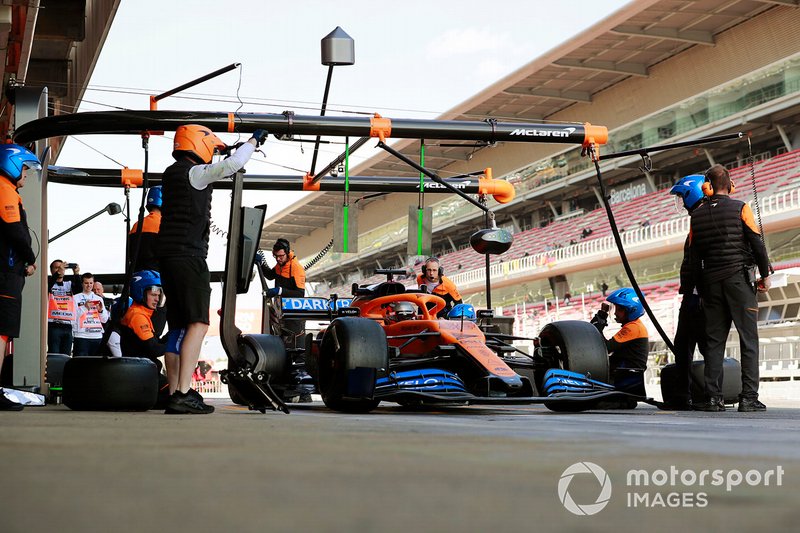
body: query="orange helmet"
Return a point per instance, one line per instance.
(198, 141)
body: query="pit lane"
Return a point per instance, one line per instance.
(465, 468)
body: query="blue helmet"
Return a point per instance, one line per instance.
(690, 188)
(154, 197)
(143, 281)
(628, 300)
(462, 311)
(13, 158)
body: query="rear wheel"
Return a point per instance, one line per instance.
(352, 353)
(259, 353)
(578, 346)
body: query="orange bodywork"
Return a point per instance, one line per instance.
(451, 332)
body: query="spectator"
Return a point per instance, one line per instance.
(17, 258)
(146, 258)
(432, 277)
(182, 248)
(90, 315)
(567, 298)
(99, 290)
(604, 288)
(61, 306)
(645, 223)
(726, 245)
(586, 232)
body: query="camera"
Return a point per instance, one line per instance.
(72, 266)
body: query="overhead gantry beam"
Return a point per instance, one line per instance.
(136, 122)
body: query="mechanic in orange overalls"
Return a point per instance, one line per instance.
(628, 348)
(17, 258)
(290, 282)
(432, 277)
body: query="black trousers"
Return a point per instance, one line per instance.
(690, 334)
(731, 299)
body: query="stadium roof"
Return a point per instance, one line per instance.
(625, 44)
(52, 43)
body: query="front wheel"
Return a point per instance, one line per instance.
(579, 348)
(352, 353)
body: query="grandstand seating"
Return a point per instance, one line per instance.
(774, 174)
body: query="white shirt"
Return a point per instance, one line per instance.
(89, 319)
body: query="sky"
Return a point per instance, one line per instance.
(414, 59)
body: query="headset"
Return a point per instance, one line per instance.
(708, 189)
(432, 260)
(281, 244)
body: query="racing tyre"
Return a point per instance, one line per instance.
(581, 348)
(352, 353)
(259, 353)
(236, 396)
(54, 374)
(116, 384)
(54, 369)
(263, 353)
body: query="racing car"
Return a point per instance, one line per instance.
(386, 344)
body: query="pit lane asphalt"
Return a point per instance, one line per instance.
(459, 469)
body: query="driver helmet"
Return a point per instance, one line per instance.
(462, 311)
(143, 281)
(13, 158)
(628, 300)
(400, 311)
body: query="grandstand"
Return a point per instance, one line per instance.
(655, 72)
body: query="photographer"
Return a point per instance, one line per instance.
(61, 306)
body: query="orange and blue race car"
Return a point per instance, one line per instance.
(387, 345)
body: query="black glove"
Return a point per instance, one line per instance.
(260, 136)
(600, 320)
